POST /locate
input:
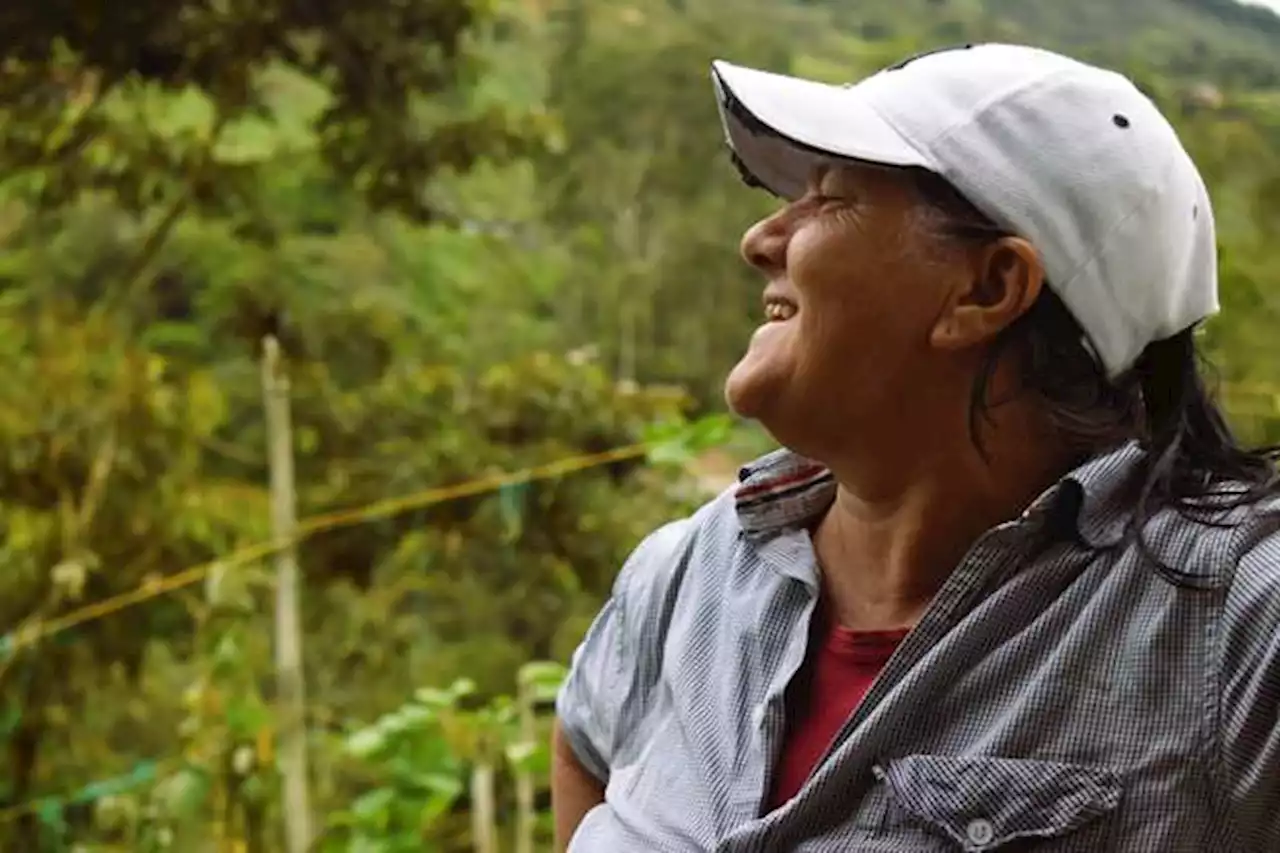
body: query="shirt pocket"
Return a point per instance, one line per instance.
(987, 803)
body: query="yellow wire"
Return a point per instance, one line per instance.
(31, 634)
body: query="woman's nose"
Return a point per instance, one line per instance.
(764, 246)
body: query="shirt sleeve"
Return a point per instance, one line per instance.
(618, 652)
(1250, 698)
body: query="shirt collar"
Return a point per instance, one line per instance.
(780, 491)
(783, 490)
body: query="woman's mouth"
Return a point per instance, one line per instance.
(778, 309)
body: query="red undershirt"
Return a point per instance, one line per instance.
(840, 666)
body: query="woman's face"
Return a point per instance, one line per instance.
(855, 286)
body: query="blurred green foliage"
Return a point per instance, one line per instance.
(424, 755)
(490, 236)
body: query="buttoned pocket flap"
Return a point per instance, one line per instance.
(983, 803)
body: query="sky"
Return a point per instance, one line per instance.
(1273, 5)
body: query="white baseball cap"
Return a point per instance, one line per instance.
(1072, 157)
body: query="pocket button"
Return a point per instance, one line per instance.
(980, 831)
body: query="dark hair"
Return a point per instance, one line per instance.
(1193, 463)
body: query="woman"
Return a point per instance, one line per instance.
(1010, 581)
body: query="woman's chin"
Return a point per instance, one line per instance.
(751, 388)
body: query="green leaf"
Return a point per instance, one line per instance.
(363, 843)
(141, 774)
(440, 784)
(710, 431)
(50, 813)
(366, 742)
(183, 793)
(676, 442)
(10, 718)
(541, 680)
(435, 807)
(178, 336)
(246, 716)
(528, 757)
(434, 698)
(411, 717)
(374, 808)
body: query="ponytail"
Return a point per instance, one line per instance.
(1193, 461)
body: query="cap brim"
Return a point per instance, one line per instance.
(781, 127)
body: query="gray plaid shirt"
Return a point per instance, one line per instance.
(1058, 695)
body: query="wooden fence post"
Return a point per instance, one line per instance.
(291, 699)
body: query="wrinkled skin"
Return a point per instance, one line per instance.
(878, 295)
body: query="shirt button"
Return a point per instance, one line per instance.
(980, 831)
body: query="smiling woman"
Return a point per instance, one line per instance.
(868, 279)
(946, 614)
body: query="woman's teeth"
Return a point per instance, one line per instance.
(777, 312)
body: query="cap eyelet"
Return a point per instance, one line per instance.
(1120, 121)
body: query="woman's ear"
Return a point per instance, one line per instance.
(1006, 280)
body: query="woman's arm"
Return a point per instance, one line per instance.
(574, 791)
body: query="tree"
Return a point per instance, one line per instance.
(77, 76)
